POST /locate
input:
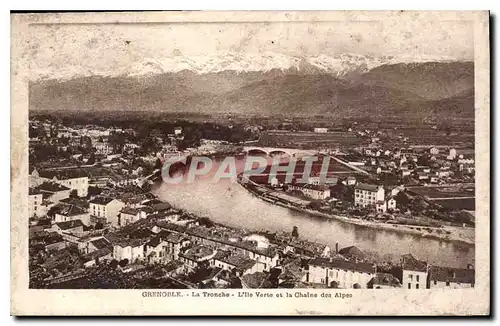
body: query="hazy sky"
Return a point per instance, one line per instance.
(96, 49)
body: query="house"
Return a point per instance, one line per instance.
(35, 207)
(367, 194)
(453, 154)
(73, 227)
(53, 191)
(391, 203)
(96, 257)
(196, 255)
(97, 244)
(75, 179)
(307, 248)
(381, 206)
(384, 281)
(156, 250)
(67, 212)
(351, 180)
(414, 272)
(321, 130)
(178, 131)
(106, 208)
(318, 192)
(130, 249)
(175, 242)
(292, 275)
(337, 273)
(434, 151)
(103, 147)
(268, 257)
(128, 215)
(452, 278)
(353, 253)
(173, 268)
(238, 263)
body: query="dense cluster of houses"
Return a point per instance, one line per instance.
(89, 216)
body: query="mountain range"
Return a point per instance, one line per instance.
(346, 85)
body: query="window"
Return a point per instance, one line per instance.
(410, 276)
(409, 285)
(416, 286)
(435, 282)
(418, 278)
(447, 283)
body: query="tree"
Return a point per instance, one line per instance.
(73, 193)
(123, 262)
(295, 232)
(113, 264)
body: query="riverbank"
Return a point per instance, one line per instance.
(444, 233)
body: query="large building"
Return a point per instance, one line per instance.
(338, 273)
(35, 207)
(451, 278)
(368, 195)
(74, 179)
(318, 192)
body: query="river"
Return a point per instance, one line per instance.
(229, 203)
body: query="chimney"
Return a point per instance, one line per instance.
(336, 247)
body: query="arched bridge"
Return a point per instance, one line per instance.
(272, 151)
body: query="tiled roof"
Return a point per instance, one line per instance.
(130, 210)
(101, 243)
(63, 174)
(255, 280)
(409, 262)
(70, 210)
(448, 274)
(51, 187)
(83, 203)
(352, 251)
(34, 191)
(239, 262)
(344, 264)
(69, 224)
(101, 200)
(385, 279)
(367, 187)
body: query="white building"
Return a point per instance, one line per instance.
(106, 208)
(434, 151)
(453, 154)
(318, 192)
(75, 179)
(368, 195)
(391, 203)
(451, 278)
(133, 250)
(52, 191)
(321, 130)
(414, 272)
(35, 207)
(338, 273)
(240, 264)
(71, 213)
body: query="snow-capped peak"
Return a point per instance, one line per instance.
(339, 65)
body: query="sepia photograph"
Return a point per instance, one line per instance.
(318, 157)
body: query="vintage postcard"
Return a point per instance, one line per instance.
(250, 163)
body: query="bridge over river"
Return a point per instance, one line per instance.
(279, 151)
